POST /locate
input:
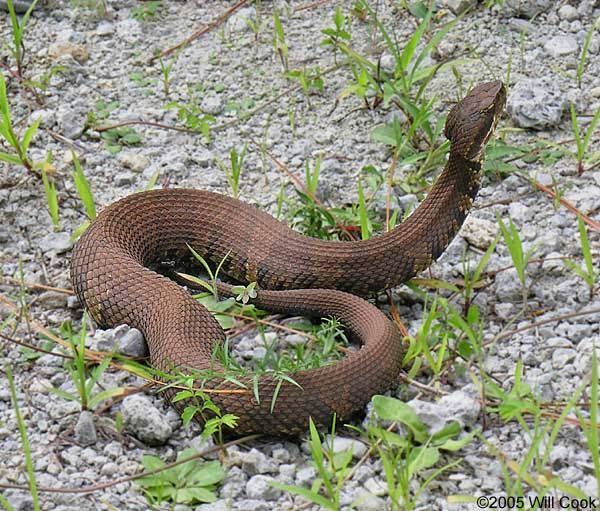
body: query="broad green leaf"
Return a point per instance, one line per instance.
(388, 408)
(199, 494)
(188, 414)
(456, 445)
(421, 458)
(150, 462)
(208, 473)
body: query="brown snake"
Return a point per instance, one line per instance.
(111, 277)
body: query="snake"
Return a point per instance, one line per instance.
(113, 270)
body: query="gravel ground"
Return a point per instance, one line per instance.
(107, 58)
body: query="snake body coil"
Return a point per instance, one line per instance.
(296, 274)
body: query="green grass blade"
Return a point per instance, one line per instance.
(51, 198)
(576, 134)
(411, 46)
(24, 440)
(25, 18)
(307, 493)
(365, 224)
(83, 188)
(591, 128)
(591, 431)
(29, 133)
(584, 51)
(152, 181)
(10, 158)
(435, 40)
(585, 247)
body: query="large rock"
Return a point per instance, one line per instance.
(527, 8)
(144, 421)
(536, 103)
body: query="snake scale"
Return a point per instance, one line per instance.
(296, 274)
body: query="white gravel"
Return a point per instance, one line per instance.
(107, 59)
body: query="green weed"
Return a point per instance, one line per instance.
(83, 379)
(233, 171)
(582, 141)
(199, 403)
(443, 333)
(211, 286)
(31, 480)
(519, 257)
(332, 469)
(279, 43)
(102, 112)
(19, 145)
(472, 278)
(192, 117)
(336, 34)
(99, 6)
(589, 273)
(521, 405)
(116, 138)
(165, 71)
(584, 51)
(51, 198)
(147, 11)
(83, 188)
(406, 456)
(17, 49)
(190, 483)
(309, 79)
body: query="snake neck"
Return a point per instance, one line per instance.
(432, 226)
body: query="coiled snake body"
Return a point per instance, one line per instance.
(296, 275)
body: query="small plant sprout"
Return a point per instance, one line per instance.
(7, 133)
(82, 378)
(210, 286)
(17, 48)
(116, 138)
(336, 34)
(519, 257)
(147, 10)
(582, 141)
(279, 43)
(234, 170)
(332, 471)
(588, 272)
(192, 116)
(309, 79)
(165, 70)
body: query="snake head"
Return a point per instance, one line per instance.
(472, 121)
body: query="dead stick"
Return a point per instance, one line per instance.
(214, 23)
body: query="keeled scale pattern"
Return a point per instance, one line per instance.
(110, 276)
